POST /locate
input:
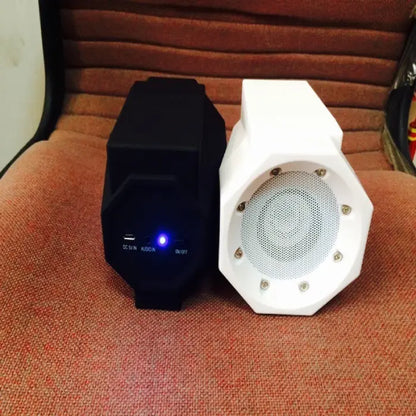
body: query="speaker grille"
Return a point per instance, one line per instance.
(290, 225)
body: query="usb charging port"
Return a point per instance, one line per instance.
(129, 237)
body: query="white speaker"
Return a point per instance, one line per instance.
(294, 217)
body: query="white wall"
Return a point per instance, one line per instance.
(22, 75)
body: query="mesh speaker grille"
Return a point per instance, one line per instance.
(290, 225)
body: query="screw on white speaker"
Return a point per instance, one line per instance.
(294, 217)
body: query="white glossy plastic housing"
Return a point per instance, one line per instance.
(285, 125)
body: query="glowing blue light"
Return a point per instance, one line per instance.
(162, 240)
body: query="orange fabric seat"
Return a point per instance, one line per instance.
(72, 341)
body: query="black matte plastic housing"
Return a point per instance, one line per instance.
(160, 205)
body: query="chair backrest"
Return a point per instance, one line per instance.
(347, 50)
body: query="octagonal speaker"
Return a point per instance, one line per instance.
(294, 217)
(161, 197)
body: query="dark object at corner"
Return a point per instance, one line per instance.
(397, 120)
(397, 109)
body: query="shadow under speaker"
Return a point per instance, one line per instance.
(294, 216)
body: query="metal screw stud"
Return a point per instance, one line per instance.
(238, 253)
(275, 171)
(337, 256)
(241, 207)
(264, 284)
(320, 172)
(303, 286)
(346, 209)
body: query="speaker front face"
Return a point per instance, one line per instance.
(153, 233)
(294, 237)
(289, 225)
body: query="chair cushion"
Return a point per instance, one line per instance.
(72, 341)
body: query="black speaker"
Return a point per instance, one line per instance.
(160, 205)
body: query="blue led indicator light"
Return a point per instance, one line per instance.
(162, 240)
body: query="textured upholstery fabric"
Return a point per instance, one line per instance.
(75, 344)
(71, 341)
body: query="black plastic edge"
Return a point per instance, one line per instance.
(50, 24)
